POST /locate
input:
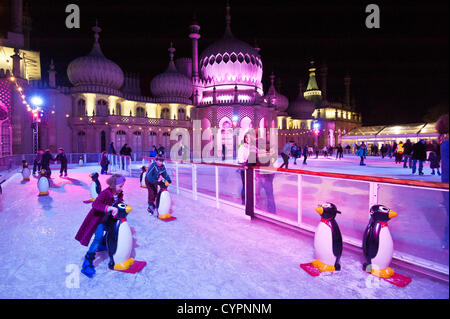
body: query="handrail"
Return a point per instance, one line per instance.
(365, 178)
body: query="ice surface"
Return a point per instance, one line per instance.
(205, 253)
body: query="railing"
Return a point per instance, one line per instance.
(290, 197)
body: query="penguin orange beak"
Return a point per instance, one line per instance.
(319, 209)
(90, 175)
(128, 209)
(392, 214)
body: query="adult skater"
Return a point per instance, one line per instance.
(242, 158)
(285, 153)
(419, 154)
(62, 158)
(47, 157)
(295, 152)
(305, 154)
(156, 172)
(96, 220)
(407, 152)
(442, 129)
(266, 177)
(153, 153)
(37, 163)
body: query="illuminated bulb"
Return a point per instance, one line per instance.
(12, 78)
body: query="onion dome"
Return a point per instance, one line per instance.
(279, 101)
(95, 69)
(301, 108)
(230, 60)
(171, 83)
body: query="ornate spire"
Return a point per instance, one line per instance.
(312, 92)
(96, 50)
(172, 66)
(228, 19)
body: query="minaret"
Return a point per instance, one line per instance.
(228, 20)
(194, 35)
(347, 80)
(52, 75)
(16, 16)
(324, 75)
(312, 92)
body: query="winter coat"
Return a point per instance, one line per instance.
(46, 158)
(407, 147)
(419, 152)
(96, 215)
(154, 171)
(434, 160)
(62, 158)
(362, 151)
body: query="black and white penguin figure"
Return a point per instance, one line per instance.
(378, 246)
(142, 176)
(43, 183)
(25, 171)
(327, 240)
(95, 187)
(119, 239)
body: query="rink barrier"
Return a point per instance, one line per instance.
(374, 192)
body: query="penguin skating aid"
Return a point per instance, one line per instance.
(142, 177)
(378, 247)
(119, 240)
(327, 243)
(94, 189)
(43, 183)
(163, 202)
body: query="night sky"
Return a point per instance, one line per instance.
(399, 72)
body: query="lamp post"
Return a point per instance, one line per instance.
(37, 102)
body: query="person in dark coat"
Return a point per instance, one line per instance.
(434, 160)
(62, 158)
(407, 153)
(156, 172)
(419, 154)
(47, 157)
(102, 207)
(37, 163)
(305, 153)
(111, 149)
(104, 162)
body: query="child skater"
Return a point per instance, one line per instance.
(104, 162)
(95, 221)
(434, 162)
(156, 172)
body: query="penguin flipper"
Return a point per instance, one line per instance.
(337, 239)
(371, 241)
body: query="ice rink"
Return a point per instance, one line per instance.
(205, 253)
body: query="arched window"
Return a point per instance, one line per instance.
(140, 111)
(118, 109)
(102, 108)
(181, 114)
(137, 142)
(81, 107)
(165, 113)
(121, 139)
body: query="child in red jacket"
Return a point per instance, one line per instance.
(95, 219)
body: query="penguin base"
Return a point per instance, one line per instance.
(383, 273)
(43, 193)
(166, 217)
(143, 186)
(322, 266)
(125, 265)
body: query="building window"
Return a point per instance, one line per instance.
(81, 107)
(181, 114)
(140, 111)
(165, 113)
(118, 109)
(102, 108)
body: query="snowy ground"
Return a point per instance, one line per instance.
(205, 253)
